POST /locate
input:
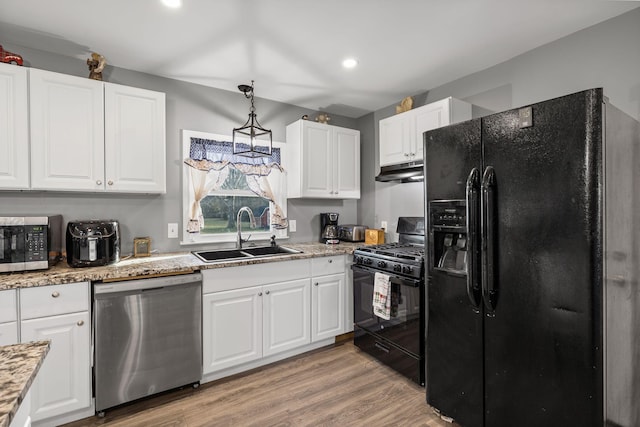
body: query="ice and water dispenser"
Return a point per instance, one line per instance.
(448, 236)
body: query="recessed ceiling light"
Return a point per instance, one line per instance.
(174, 4)
(350, 63)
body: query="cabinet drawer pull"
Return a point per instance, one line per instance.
(259, 294)
(267, 292)
(316, 283)
(110, 182)
(98, 182)
(330, 261)
(80, 322)
(55, 294)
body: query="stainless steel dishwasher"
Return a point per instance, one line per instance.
(148, 337)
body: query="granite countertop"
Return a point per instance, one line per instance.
(159, 264)
(19, 364)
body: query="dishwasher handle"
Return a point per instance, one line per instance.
(142, 284)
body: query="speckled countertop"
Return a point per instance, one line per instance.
(160, 264)
(19, 364)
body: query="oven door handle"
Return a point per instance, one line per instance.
(474, 291)
(404, 281)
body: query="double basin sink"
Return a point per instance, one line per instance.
(255, 252)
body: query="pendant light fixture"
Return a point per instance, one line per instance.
(251, 140)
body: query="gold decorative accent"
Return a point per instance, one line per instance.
(323, 118)
(405, 105)
(141, 246)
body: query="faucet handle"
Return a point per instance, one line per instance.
(273, 240)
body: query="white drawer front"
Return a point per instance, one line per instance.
(230, 278)
(8, 312)
(53, 300)
(327, 265)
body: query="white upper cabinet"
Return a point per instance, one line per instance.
(87, 135)
(14, 128)
(134, 139)
(67, 132)
(401, 135)
(322, 161)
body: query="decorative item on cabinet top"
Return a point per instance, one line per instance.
(10, 57)
(405, 105)
(323, 118)
(96, 65)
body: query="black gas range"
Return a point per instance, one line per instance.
(404, 259)
(397, 341)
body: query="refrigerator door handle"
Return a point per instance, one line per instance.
(473, 287)
(489, 289)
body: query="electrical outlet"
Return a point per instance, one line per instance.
(383, 224)
(172, 230)
(292, 225)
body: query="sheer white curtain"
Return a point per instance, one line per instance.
(203, 182)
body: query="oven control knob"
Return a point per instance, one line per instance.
(407, 269)
(382, 264)
(368, 261)
(397, 267)
(357, 260)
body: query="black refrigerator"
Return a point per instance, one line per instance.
(533, 253)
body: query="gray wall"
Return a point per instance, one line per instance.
(604, 55)
(189, 106)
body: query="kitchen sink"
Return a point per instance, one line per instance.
(269, 250)
(253, 252)
(220, 255)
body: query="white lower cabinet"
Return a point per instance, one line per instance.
(327, 311)
(256, 314)
(327, 297)
(232, 328)
(8, 333)
(286, 317)
(247, 324)
(60, 314)
(8, 317)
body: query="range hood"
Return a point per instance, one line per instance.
(403, 172)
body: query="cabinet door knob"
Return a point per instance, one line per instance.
(98, 182)
(330, 261)
(80, 322)
(259, 294)
(316, 283)
(110, 182)
(55, 294)
(267, 292)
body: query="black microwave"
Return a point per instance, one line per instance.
(30, 242)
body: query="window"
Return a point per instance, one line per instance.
(217, 184)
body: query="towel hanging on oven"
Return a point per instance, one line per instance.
(382, 296)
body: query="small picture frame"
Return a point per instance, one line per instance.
(141, 247)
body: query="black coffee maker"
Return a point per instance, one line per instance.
(329, 228)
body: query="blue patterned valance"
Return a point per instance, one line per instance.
(222, 151)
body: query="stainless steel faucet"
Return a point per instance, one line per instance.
(252, 219)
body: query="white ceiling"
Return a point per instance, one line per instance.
(293, 48)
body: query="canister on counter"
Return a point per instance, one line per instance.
(373, 236)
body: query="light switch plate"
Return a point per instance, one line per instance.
(172, 230)
(292, 225)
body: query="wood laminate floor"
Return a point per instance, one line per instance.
(333, 386)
